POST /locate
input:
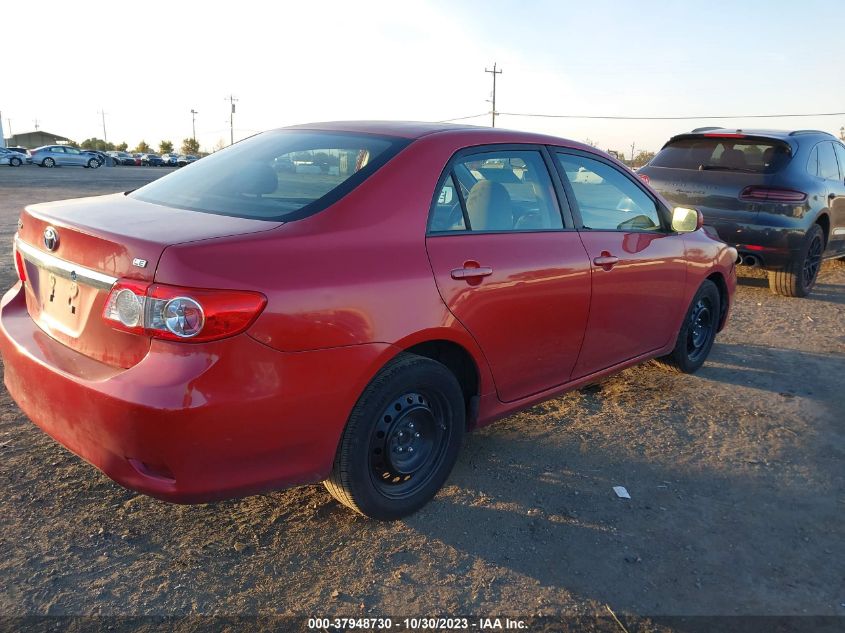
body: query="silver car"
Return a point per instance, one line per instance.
(13, 159)
(53, 155)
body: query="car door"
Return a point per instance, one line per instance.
(74, 157)
(836, 200)
(638, 264)
(509, 267)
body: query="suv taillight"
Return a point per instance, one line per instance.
(769, 194)
(181, 314)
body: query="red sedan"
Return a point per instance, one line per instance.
(341, 302)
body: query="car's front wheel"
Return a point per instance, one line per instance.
(698, 331)
(797, 278)
(401, 440)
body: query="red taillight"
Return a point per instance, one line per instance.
(19, 265)
(644, 178)
(768, 194)
(181, 314)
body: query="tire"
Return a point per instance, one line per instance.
(798, 277)
(93, 163)
(698, 331)
(15, 162)
(413, 404)
(48, 162)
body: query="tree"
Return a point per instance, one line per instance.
(190, 146)
(121, 147)
(220, 144)
(97, 144)
(165, 147)
(642, 158)
(143, 148)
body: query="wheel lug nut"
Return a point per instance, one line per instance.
(410, 425)
(410, 449)
(416, 434)
(398, 449)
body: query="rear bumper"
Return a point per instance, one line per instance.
(771, 246)
(188, 423)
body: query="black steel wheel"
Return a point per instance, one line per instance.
(698, 331)
(401, 440)
(798, 277)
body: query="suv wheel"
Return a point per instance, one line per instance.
(799, 276)
(401, 440)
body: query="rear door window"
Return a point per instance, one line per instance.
(828, 167)
(727, 154)
(507, 190)
(840, 155)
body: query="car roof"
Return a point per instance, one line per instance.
(783, 135)
(418, 129)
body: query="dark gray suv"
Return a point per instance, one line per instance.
(777, 197)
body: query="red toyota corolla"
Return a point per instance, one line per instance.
(341, 302)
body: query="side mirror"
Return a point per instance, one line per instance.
(686, 220)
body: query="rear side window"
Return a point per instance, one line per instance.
(497, 191)
(279, 175)
(607, 199)
(728, 154)
(828, 168)
(840, 155)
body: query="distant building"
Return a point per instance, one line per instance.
(36, 139)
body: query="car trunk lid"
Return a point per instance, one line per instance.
(95, 242)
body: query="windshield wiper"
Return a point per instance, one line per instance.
(726, 168)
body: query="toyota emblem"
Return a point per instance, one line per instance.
(51, 238)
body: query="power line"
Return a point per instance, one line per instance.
(669, 118)
(462, 118)
(494, 72)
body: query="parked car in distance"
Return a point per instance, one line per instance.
(102, 157)
(63, 155)
(11, 158)
(170, 160)
(152, 160)
(19, 150)
(186, 159)
(124, 158)
(234, 327)
(777, 196)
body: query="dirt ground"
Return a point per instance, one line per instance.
(737, 479)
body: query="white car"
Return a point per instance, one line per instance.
(11, 158)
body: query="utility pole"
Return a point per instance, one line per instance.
(36, 125)
(231, 99)
(494, 72)
(841, 132)
(632, 151)
(103, 114)
(194, 114)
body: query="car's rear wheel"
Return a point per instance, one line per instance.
(798, 277)
(15, 162)
(48, 162)
(401, 440)
(698, 331)
(93, 163)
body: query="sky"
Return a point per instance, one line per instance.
(147, 64)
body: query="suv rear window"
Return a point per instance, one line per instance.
(281, 175)
(727, 154)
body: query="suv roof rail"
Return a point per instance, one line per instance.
(797, 132)
(705, 129)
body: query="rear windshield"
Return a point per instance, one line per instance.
(279, 175)
(725, 154)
